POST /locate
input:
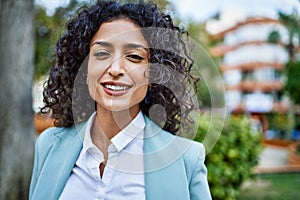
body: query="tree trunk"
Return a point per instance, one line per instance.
(16, 114)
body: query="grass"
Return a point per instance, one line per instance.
(272, 186)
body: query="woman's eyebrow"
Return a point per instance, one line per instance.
(135, 46)
(127, 46)
(102, 43)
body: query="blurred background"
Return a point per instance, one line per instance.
(256, 47)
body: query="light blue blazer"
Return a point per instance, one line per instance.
(174, 167)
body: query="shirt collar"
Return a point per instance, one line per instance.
(133, 130)
(87, 141)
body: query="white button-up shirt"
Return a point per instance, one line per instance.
(123, 176)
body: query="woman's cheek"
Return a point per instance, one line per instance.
(92, 87)
(92, 80)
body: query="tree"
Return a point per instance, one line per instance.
(292, 23)
(16, 74)
(293, 84)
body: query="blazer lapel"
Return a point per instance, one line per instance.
(165, 176)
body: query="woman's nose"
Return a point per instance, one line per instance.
(117, 67)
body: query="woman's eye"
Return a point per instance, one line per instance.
(135, 57)
(101, 54)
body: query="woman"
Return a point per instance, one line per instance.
(119, 92)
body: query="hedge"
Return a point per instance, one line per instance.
(233, 157)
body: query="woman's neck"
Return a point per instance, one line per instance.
(107, 124)
(111, 123)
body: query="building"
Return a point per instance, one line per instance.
(252, 66)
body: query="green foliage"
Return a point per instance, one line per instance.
(47, 31)
(203, 95)
(233, 157)
(293, 83)
(45, 41)
(292, 22)
(279, 121)
(274, 36)
(197, 31)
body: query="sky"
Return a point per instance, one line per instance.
(51, 5)
(201, 10)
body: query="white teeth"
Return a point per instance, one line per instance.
(116, 87)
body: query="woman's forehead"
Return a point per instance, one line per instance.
(119, 30)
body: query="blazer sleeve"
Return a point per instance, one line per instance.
(34, 175)
(43, 145)
(199, 189)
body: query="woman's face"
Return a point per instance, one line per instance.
(117, 64)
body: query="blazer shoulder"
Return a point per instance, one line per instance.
(196, 149)
(192, 151)
(52, 135)
(58, 133)
(54, 132)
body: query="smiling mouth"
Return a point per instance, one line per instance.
(115, 89)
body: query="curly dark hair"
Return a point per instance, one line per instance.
(168, 54)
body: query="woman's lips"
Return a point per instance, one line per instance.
(115, 88)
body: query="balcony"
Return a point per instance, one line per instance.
(277, 107)
(221, 50)
(253, 66)
(252, 86)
